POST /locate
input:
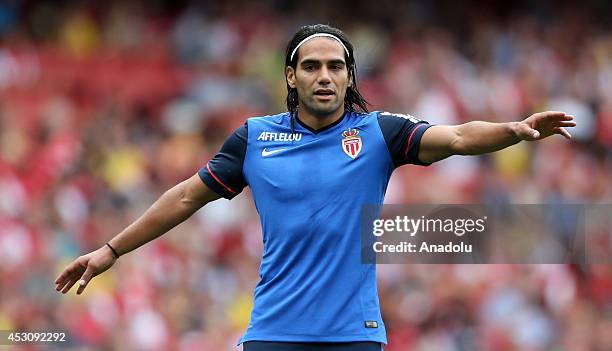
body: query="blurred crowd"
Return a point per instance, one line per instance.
(106, 104)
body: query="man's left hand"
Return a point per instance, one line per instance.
(544, 124)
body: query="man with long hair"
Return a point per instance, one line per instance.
(310, 170)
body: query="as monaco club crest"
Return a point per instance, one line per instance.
(351, 142)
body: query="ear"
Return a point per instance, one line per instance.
(290, 75)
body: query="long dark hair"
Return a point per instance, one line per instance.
(353, 101)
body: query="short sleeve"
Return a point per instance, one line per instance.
(223, 173)
(402, 135)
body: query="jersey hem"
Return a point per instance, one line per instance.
(213, 185)
(310, 338)
(418, 134)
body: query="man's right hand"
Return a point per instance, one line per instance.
(172, 208)
(84, 268)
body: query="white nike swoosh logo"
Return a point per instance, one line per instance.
(266, 153)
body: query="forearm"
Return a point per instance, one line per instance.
(171, 209)
(478, 137)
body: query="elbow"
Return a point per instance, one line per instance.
(181, 195)
(190, 198)
(186, 199)
(461, 147)
(458, 145)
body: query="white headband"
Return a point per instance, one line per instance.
(318, 35)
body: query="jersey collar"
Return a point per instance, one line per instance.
(317, 131)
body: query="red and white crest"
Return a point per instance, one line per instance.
(351, 142)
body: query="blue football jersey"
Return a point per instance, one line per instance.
(308, 187)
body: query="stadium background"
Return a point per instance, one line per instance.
(105, 104)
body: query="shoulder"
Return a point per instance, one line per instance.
(356, 119)
(277, 119)
(384, 116)
(363, 115)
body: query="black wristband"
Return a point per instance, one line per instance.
(113, 250)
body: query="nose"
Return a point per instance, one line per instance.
(323, 77)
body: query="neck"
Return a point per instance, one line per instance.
(318, 122)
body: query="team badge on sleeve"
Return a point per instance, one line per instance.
(351, 142)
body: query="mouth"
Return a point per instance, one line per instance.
(324, 94)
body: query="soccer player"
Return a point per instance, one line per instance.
(310, 170)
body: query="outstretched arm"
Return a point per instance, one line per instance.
(477, 137)
(172, 208)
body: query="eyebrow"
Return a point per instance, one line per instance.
(311, 61)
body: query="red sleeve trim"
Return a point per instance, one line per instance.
(407, 147)
(219, 180)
